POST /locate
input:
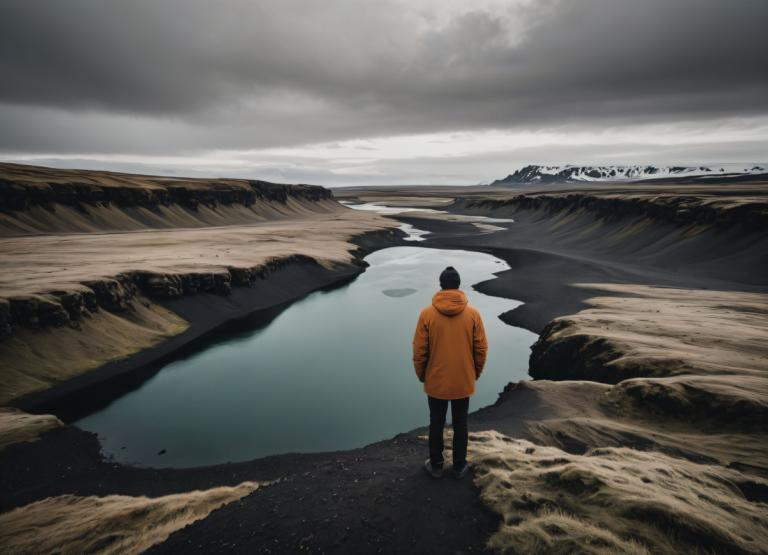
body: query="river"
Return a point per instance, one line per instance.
(333, 371)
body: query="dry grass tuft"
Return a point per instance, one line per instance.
(16, 426)
(558, 533)
(112, 524)
(615, 500)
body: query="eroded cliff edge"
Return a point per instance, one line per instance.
(98, 266)
(36, 199)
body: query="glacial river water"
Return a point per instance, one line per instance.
(333, 371)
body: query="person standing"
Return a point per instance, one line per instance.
(449, 353)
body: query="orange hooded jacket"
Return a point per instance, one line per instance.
(449, 346)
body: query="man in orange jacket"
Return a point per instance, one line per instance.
(449, 351)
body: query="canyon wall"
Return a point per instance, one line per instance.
(725, 207)
(90, 260)
(47, 200)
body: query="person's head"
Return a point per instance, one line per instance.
(449, 278)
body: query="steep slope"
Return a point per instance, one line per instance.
(37, 200)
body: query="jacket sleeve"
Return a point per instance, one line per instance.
(421, 348)
(479, 345)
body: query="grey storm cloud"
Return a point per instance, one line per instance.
(181, 75)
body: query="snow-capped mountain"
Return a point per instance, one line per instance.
(564, 174)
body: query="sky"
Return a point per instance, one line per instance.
(344, 92)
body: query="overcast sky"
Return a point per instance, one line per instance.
(373, 92)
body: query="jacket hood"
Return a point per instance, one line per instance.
(449, 301)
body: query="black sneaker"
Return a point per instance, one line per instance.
(460, 472)
(431, 470)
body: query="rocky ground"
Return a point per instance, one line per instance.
(643, 432)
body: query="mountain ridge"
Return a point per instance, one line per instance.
(533, 173)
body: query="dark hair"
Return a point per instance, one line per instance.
(449, 278)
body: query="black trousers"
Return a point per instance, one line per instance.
(437, 411)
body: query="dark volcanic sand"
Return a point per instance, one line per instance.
(542, 272)
(353, 501)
